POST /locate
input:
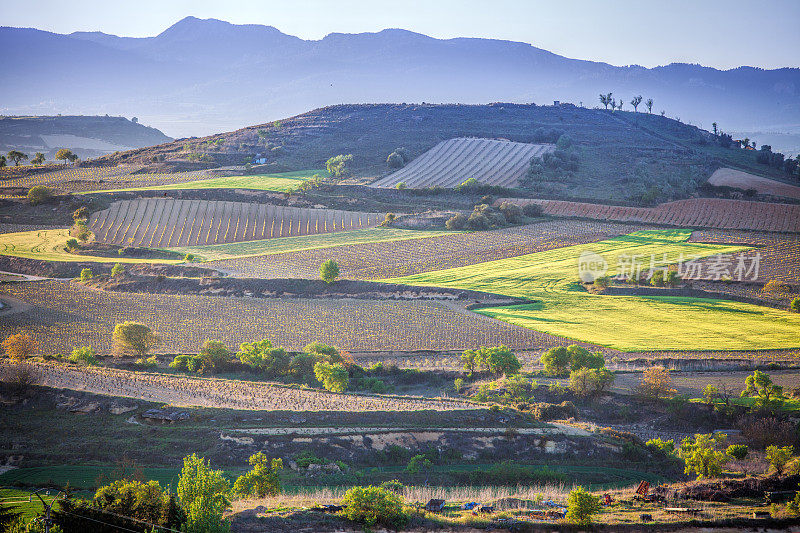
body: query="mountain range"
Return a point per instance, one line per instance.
(204, 76)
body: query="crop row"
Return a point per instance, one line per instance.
(695, 212)
(83, 179)
(451, 162)
(64, 315)
(392, 259)
(167, 223)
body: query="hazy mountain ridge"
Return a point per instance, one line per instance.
(203, 76)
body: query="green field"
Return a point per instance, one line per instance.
(50, 245)
(279, 182)
(305, 242)
(629, 323)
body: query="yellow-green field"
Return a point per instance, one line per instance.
(50, 245)
(305, 242)
(279, 182)
(628, 323)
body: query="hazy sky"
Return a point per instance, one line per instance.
(722, 34)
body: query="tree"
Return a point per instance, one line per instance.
(329, 271)
(587, 381)
(581, 505)
(778, 456)
(714, 127)
(702, 454)
(263, 480)
(65, 155)
(38, 159)
(334, 377)
(339, 166)
(605, 99)
(273, 361)
(499, 360)
(737, 451)
(395, 160)
(203, 494)
(469, 360)
(635, 102)
(656, 383)
(39, 194)
(134, 339)
(580, 357)
(418, 463)
(16, 156)
(86, 275)
(330, 353)
(85, 356)
(795, 305)
(767, 394)
(374, 505)
(456, 222)
(20, 346)
(213, 355)
(649, 104)
(556, 361)
(2, 161)
(72, 245)
(117, 269)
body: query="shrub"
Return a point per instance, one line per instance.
(456, 222)
(334, 377)
(665, 447)
(702, 456)
(263, 480)
(778, 457)
(495, 359)
(374, 505)
(39, 194)
(581, 506)
(20, 346)
(339, 166)
(737, 451)
(512, 212)
(117, 270)
(261, 355)
(468, 185)
(84, 355)
(330, 353)
(86, 274)
(134, 339)
(672, 278)
(587, 382)
(401, 185)
(552, 411)
(72, 244)
(761, 432)
(532, 210)
(417, 463)
(203, 494)
(458, 385)
(564, 142)
(395, 160)
(657, 278)
(795, 305)
(329, 271)
(478, 221)
(656, 383)
(393, 486)
(188, 258)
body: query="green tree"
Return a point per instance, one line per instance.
(795, 305)
(203, 495)
(374, 505)
(778, 456)
(330, 353)
(581, 506)
(117, 269)
(39, 194)
(86, 274)
(273, 361)
(556, 361)
(590, 381)
(16, 156)
(395, 160)
(329, 271)
(702, 454)
(497, 360)
(418, 463)
(737, 451)
(666, 447)
(334, 377)
(469, 360)
(38, 159)
(339, 166)
(580, 357)
(65, 155)
(263, 480)
(214, 355)
(134, 339)
(84, 355)
(145, 501)
(767, 395)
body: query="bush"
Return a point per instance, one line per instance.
(188, 258)
(564, 142)
(588, 382)
(39, 194)
(20, 346)
(657, 278)
(478, 221)
(496, 359)
(203, 494)
(134, 339)
(737, 451)
(760, 432)
(656, 383)
(532, 210)
(263, 480)
(395, 160)
(559, 360)
(329, 271)
(261, 355)
(665, 447)
(117, 270)
(795, 305)
(456, 222)
(581, 505)
(401, 185)
(468, 185)
(84, 355)
(512, 212)
(339, 166)
(374, 505)
(86, 274)
(778, 457)
(334, 377)
(551, 411)
(72, 244)
(417, 463)
(393, 486)
(702, 454)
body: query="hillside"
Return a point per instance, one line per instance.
(85, 135)
(622, 156)
(262, 74)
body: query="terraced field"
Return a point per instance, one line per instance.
(627, 323)
(165, 223)
(695, 212)
(402, 258)
(451, 162)
(63, 315)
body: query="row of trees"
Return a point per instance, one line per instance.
(609, 100)
(16, 157)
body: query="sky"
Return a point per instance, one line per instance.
(721, 34)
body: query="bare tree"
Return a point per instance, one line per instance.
(605, 99)
(635, 102)
(649, 104)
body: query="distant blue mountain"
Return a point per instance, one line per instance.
(204, 76)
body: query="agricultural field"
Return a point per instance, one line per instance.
(278, 182)
(451, 162)
(165, 223)
(50, 245)
(561, 307)
(693, 213)
(729, 177)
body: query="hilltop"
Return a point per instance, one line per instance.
(87, 136)
(622, 156)
(260, 74)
